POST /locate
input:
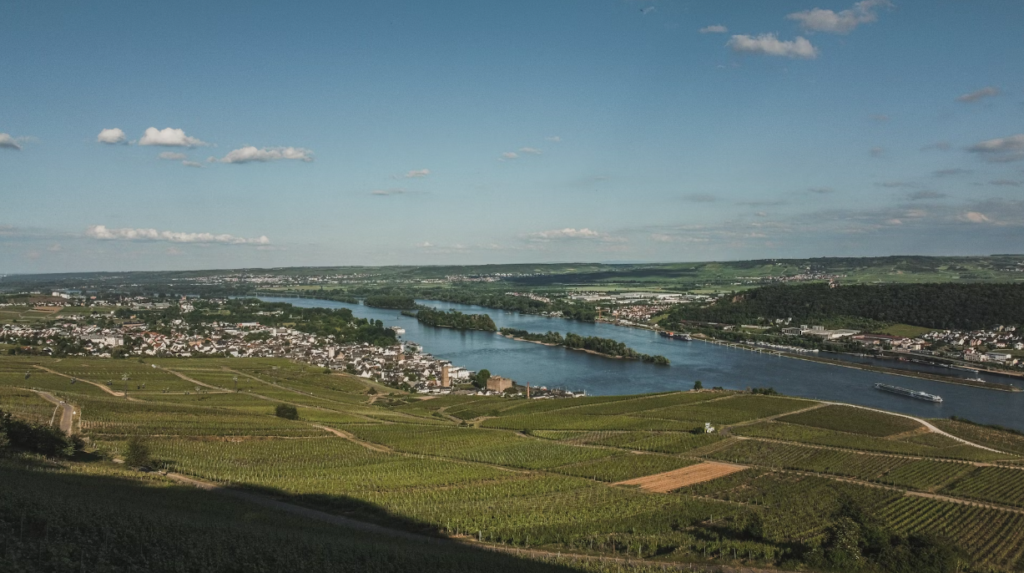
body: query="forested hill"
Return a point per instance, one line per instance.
(938, 305)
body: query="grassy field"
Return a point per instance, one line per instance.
(527, 475)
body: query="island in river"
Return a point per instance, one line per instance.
(590, 344)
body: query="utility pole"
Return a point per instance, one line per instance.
(124, 378)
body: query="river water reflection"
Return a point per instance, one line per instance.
(713, 365)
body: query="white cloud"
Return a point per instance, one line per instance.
(716, 29)
(509, 155)
(417, 174)
(844, 22)
(172, 156)
(8, 142)
(385, 192)
(553, 139)
(112, 136)
(127, 234)
(1001, 150)
(983, 93)
(249, 154)
(191, 164)
(169, 137)
(569, 234)
(530, 150)
(770, 45)
(975, 217)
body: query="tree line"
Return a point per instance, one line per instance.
(454, 319)
(932, 305)
(605, 346)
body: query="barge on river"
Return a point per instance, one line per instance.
(908, 393)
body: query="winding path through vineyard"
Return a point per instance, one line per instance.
(67, 417)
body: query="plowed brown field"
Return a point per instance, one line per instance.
(675, 479)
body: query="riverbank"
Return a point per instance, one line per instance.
(906, 373)
(866, 367)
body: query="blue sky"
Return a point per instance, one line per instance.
(227, 134)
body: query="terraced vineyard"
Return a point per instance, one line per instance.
(537, 474)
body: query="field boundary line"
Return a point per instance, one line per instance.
(924, 423)
(100, 386)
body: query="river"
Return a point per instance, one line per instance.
(712, 364)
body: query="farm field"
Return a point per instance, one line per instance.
(549, 475)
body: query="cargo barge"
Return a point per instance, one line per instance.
(908, 393)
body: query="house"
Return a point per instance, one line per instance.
(498, 384)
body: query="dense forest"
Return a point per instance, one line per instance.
(605, 346)
(933, 305)
(400, 302)
(454, 319)
(519, 304)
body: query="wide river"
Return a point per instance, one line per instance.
(712, 364)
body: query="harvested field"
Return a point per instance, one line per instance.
(675, 479)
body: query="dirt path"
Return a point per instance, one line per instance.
(355, 440)
(725, 429)
(100, 386)
(267, 398)
(67, 419)
(924, 423)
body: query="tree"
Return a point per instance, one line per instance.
(136, 453)
(287, 412)
(698, 385)
(481, 378)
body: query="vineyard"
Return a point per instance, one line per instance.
(537, 474)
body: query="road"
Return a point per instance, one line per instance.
(67, 418)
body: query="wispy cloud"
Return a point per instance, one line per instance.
(771, 45)
(172, 156)
(112, 136)
(416, 174)
(530, 150)
(975, 217)
(571, 234)
(9, 142)
(877, 152)
(951, 172)
(387, 192)
(169, 137)
(925, 195)
(821, 190)
(127, 234)
(983, 93)
(508, 156)
(553, 139)
(843, 22)
(897, 185)
(1005, 183)
(251, 154)
(714, 29)
(1001, 150)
